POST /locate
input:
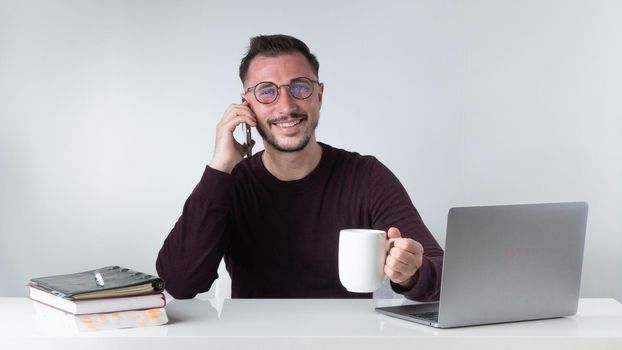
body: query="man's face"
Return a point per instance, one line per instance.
(287, 124)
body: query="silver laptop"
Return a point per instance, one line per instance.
(506, 263)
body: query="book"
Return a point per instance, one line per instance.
(59, 322)
(109, 281)
(101, 305)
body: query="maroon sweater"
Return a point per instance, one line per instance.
(280, 238)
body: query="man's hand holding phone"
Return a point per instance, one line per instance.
(228, 152)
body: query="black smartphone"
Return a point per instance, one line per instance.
(247, 131)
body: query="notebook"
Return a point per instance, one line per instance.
(506, 263)
(98, 305)
(51, 321)
(105, 282)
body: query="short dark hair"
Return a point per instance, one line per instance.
(274, 45)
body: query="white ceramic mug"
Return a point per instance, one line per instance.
(362, 254)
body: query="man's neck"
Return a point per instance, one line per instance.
(289, 166)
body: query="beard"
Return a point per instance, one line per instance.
(271, 140)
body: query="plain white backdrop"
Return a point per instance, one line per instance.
(108, 111)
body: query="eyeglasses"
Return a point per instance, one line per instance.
(299, 88)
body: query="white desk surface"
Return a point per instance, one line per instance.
(313, 324)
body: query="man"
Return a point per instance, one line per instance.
(276, 217)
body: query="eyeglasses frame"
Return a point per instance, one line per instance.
(278, 89)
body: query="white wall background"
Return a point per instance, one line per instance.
(108, 110)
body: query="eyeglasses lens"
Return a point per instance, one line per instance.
(266, 92)
(301, 88)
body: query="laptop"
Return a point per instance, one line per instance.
(506, 263)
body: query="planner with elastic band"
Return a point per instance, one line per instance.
(105, 282)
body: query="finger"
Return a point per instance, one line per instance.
(230, 123)
(409, 245)
(243, 109)
(238, 110)
(394, 232)
(399, 271)
(396, 265)
(403, 262)
(239, 114)
(397, 276)
(244, 106)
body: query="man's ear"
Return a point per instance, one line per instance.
(320, 93)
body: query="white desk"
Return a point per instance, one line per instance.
(313, 324)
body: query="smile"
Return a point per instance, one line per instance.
(289, 124)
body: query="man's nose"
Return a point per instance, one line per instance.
(286, 104)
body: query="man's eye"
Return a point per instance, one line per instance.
(266, 91)
(300, 89)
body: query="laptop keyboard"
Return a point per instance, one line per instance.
(432, 315)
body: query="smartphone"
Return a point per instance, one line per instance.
(247, 131)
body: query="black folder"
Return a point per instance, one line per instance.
(109, 281)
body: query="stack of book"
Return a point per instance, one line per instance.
(108, 298)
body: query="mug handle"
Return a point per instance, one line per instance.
(389, 244)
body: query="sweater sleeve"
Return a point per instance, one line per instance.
(390, 206)
(189, 258)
